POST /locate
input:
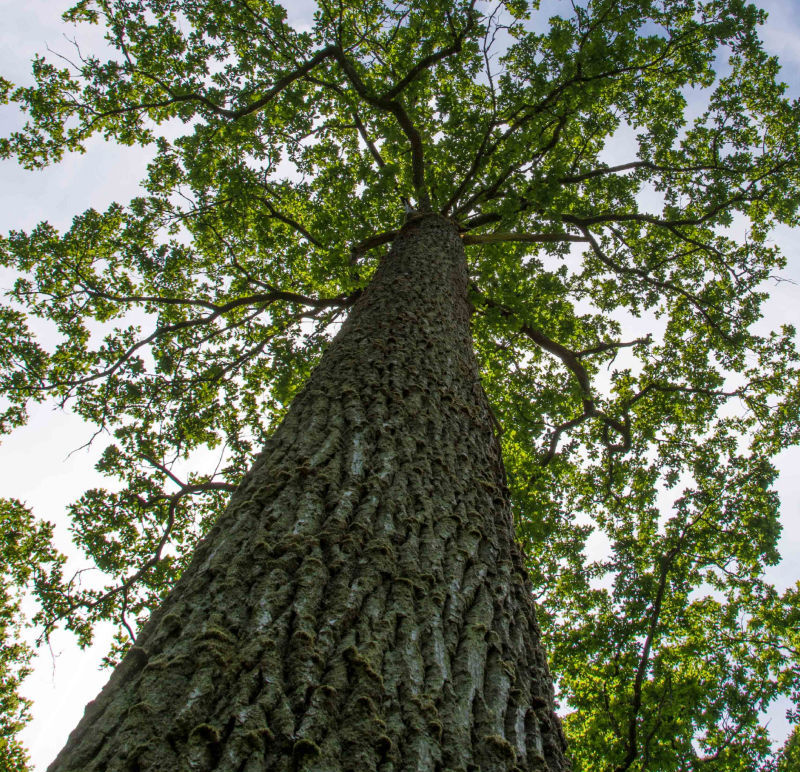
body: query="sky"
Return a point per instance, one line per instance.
(43, 463)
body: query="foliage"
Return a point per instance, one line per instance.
(281, 160)
(26, 558)
(789, 757)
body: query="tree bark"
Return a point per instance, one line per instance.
(361, 604)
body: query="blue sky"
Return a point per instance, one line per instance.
(40, 462)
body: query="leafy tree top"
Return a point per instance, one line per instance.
(285, 160)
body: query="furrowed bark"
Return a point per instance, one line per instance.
(361, 605)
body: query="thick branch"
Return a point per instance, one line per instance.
(492, 191)
(523, 116)
(224, 112)
(373, 241)
(335, 52)
(291, 222)
(479, 238)
(667, 388)
(174, 499)
(644, 660)
(538, 238)
(406, 124)
(218, 309)
(326, 53)
(618, 217)
(477, 160)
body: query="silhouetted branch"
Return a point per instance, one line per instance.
(646, 277)
(613, 346)
(573, 364)
(173, 499)
(263, 299)
(634, 165)
(367, 141)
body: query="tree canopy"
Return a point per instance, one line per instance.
(616, 309)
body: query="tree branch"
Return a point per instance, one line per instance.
(292, 223)
(373, 241)
(633, 165)
(614, 345)
(573, 364)
(538, 238)
(641, 671)
(174, 499)
(428, 61)
(644, 659)
(645, 276)
(406, 124)
(491, 191)
(264, 298)
(367, 141)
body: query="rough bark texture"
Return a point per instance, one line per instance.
(361, 605)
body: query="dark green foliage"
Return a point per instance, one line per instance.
(616, 318)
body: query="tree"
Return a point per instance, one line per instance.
(360, 603)
(25, 550)
(790, 756)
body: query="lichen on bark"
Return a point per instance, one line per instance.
(361, 604)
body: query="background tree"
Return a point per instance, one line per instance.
(789, 757)
(27, 556)
(283, 158)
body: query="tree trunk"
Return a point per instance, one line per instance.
(361, 605)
